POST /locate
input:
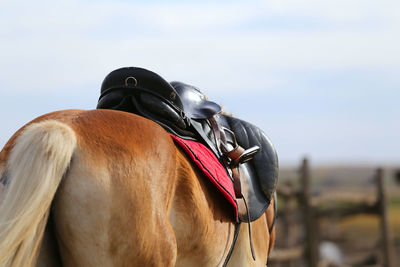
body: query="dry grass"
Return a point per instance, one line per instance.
(366, 227)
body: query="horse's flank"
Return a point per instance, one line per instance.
(124, 195)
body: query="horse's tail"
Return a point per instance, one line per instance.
(39, 159)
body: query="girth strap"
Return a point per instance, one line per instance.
(238, 192)
(236, 155)
(235, 236)
(253, 253)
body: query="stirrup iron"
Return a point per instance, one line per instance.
(238, 154)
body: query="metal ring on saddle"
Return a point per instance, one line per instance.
(131, 78)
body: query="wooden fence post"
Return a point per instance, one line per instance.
(384, 220)
(309, 214)
(288, 222)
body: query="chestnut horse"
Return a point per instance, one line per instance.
(109, 188)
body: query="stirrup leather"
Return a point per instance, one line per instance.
(230, 148)
(236, 155)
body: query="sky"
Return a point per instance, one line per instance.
(321, 78)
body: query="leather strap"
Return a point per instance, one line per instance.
(253, 253)
(198, 127)
(220, 138)
(235, 237)
(238, 193)
(237, 186)
(235, 154)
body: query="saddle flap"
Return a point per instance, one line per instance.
(259, 175)
(257, 202)
(265, 162)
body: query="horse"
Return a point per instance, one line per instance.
(110, 188)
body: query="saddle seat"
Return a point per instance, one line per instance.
(145, 93)
(191, 116)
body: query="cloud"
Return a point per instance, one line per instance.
(311, 57)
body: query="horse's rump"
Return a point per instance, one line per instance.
(128, 197)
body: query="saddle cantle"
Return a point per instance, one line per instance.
(184, 111)
(145, 93)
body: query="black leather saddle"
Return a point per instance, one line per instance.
(145, 93)
(184, 111)
(260, 174)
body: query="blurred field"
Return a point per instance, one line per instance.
(366, 227)
(356, 236)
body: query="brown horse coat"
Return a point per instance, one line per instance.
(128, 197)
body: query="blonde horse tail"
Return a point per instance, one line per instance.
(38, 161)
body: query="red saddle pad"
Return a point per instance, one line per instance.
(208, 163)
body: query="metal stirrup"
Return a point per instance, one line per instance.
(238, 154)
(232, 150)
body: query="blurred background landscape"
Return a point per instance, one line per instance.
(319, 77)
(351, 216)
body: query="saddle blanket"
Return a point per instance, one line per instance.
(208, 163)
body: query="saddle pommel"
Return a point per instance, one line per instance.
(195, 103)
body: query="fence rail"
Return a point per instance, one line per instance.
(311, 207)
